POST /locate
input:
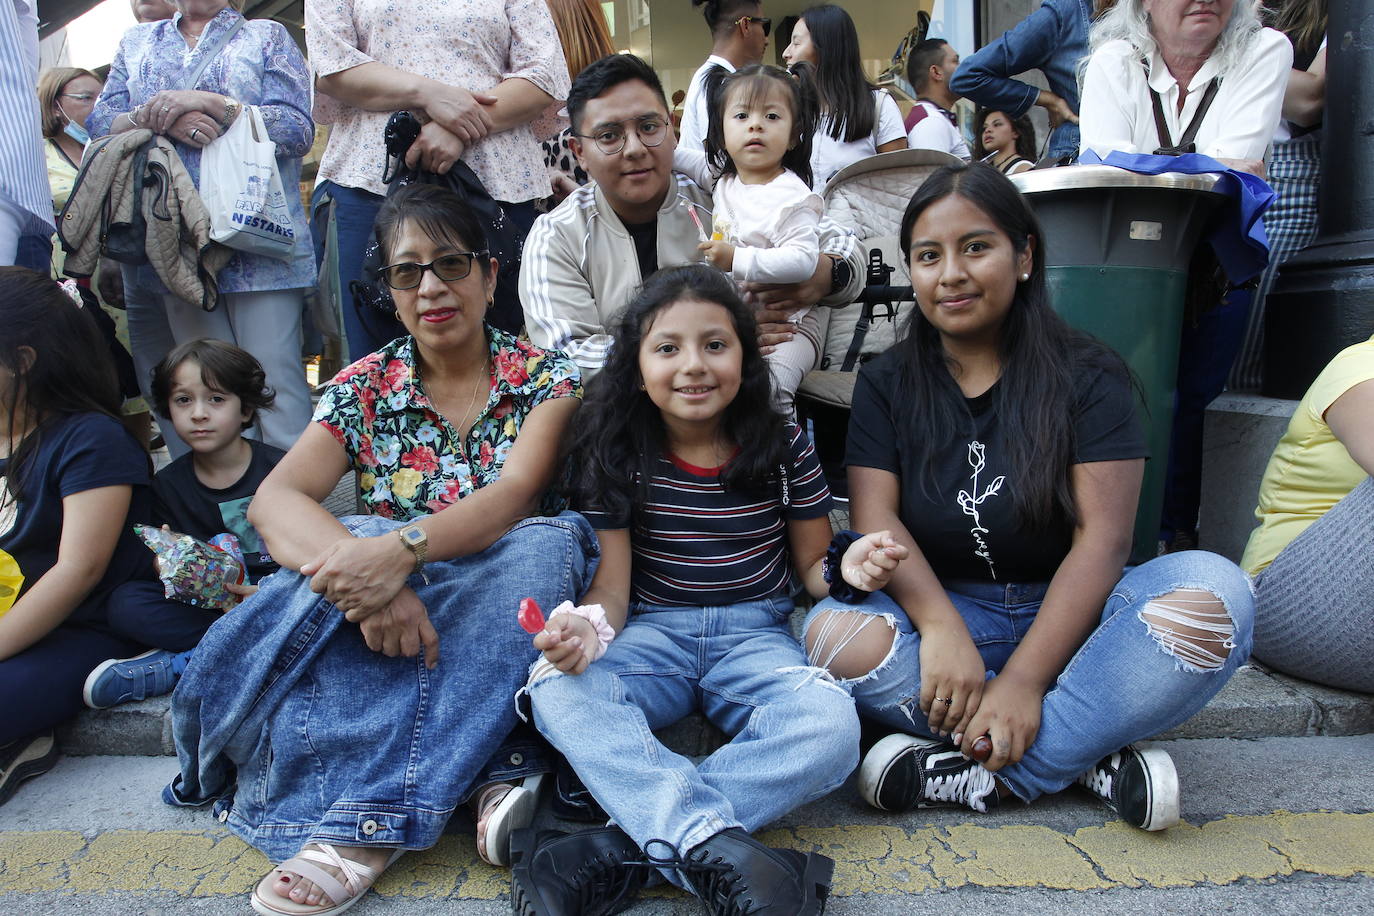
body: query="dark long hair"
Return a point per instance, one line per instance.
(620, 434)
(60, 363)
(755, 82)
(1303, 21)
(1039, 354)
(844, 91)
(1025, 133)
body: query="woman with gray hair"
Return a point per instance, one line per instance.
(1174, 76)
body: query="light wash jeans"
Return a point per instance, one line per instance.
(267, 324)
(1120, 686)
(794, 734)
(335, 743)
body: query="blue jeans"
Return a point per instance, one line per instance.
(41, 687)
(1121, 686)
(794, 734)
(335, 743)
(355, 210)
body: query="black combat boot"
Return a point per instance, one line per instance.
(734, 875)
(594, 872)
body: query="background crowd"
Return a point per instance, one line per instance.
(539, 231)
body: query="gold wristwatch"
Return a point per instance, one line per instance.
(417, 542)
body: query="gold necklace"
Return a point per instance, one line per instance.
(481, 376)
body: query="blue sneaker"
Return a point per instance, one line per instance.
(126, 680)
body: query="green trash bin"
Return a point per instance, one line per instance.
(1116, 256)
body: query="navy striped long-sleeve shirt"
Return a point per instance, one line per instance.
(706, 546)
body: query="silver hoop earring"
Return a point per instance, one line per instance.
(397, 313)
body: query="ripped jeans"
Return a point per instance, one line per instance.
(794, 733)
(1124, 684)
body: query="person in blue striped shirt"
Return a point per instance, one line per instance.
(25, 201)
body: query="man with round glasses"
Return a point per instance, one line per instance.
(585, 260)
(739, 36)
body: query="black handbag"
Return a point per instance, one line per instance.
(505, 240)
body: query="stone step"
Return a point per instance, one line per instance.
(1255, 704)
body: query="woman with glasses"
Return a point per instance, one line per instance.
(378, 692)
(739, 36)
(857, 120)
(66, 96)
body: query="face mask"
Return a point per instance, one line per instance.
(74, 130)
(77, 133)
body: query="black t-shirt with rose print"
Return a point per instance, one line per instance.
(964, 519)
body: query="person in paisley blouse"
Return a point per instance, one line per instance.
(260, 311)
(353, 738)
(476, 72)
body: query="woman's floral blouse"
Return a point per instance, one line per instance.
(411, 461)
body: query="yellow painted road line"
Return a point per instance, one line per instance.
(869, 859)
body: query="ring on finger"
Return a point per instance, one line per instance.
(948, 701)
(194, 131)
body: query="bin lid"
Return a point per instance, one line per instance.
(1088, 177)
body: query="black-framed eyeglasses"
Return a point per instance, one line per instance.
(449, 267)
(610, 137)
(764, 23)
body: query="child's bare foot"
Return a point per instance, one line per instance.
(320, 875)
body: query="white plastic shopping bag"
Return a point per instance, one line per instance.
(242, 189)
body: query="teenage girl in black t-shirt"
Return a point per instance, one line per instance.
(1002, 448)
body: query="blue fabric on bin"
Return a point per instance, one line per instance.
(1237, 230)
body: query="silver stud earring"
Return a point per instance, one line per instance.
(1025, 277)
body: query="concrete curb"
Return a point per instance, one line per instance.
(1255, 704)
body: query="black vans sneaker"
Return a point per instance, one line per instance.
(734, 874)
(1140, 784)
(24, 758)
(593, 872)
(902, 772)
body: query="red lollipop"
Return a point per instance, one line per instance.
(530, 617)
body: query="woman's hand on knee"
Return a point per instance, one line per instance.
(361, 575)
(1009, 714)
(402, 628)
(563, 642)
(952, 677)
(870, 561)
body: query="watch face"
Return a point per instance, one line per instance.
(413, 536)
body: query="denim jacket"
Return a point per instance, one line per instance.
(1053, 40)
(319, 739)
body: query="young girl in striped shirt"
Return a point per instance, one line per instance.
(706, 503)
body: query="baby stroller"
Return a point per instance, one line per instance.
(868, 197)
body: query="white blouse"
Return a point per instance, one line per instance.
(1116, 112)
(829, 155)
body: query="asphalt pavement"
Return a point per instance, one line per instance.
(1279, 824)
